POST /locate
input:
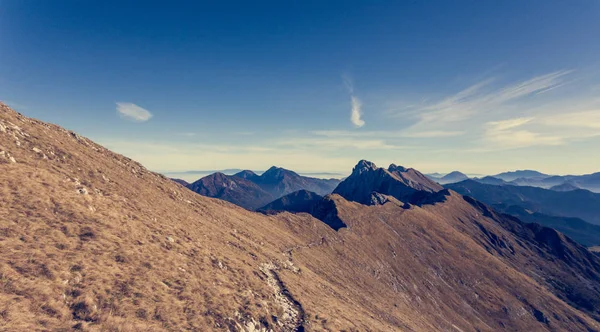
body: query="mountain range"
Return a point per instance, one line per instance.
(92, 240)
(251, 191)
(529, 178)
(574, 212)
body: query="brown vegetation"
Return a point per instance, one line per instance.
(91, 240)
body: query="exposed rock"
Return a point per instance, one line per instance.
(397, 181)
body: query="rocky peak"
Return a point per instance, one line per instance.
(275, 173)
(363, 166)
(398, 182)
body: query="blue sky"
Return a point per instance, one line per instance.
(478, 86)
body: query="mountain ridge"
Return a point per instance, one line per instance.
(95, 241)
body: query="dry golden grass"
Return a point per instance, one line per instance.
(93, 241)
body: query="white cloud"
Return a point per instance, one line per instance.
(133, 112)
(336, 143)
(388, 134)
(583, 119)
(510, 134)
(356, 105)
(476, 100)
(356, 113)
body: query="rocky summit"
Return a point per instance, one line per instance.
(91, 240)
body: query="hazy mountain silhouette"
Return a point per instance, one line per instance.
(513, 175)
(453, 177)
(236, 190)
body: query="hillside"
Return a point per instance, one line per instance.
(93, 241)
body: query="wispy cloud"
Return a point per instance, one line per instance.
(356, 105)
(335, 143)
(494, 116)
(480, 99)
(356, 113)
(387, 134)
(585, 119)
(133, 112)
(511, 134)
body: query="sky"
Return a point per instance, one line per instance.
(314, 86)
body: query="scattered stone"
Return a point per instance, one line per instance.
(82, 191)
(170, 239)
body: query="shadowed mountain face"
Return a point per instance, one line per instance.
(396, 181)
(577, 229)
(577, 203)
(233, 189)
(252, 191)
(91, 240)
(181, 182)
(298, 201)
(279, 182)
(248, 175)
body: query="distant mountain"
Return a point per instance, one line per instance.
(248, 175)
(236, 190)
(577, 203)
(181, 182)
(298, 201)
(510, 176)
(434, 175)
(92, 240)
(404, 184)
(579, 230)
(453, 177)
(564, 187)
(279, 182)
(589, 182)
(252, 191)
(491, 180)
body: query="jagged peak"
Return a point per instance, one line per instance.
(363, 166)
